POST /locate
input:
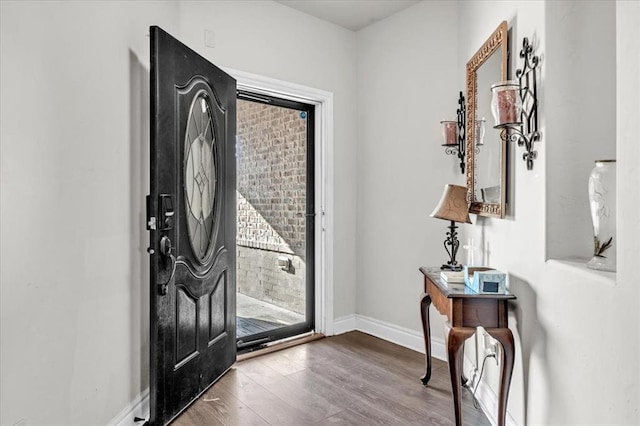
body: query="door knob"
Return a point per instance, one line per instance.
(165, 251)
(165, 246)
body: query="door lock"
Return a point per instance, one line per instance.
(165, 219)
(165, 204)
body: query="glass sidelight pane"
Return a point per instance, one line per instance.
(272, 272)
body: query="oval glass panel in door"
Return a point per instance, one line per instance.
(200, 174)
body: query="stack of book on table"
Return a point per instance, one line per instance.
(452, 277)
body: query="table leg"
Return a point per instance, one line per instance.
(425, 301)
(455, 340)
(505, 337)
(463, 378)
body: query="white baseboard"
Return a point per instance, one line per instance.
(139, 407)
(344, 324)
(399, 335)
(485, 395)
(488, 401)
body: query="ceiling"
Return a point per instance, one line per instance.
(350, 14)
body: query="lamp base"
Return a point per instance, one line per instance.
(451, 267)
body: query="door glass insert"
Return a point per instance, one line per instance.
(200, 174)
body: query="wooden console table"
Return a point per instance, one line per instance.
(466, 310)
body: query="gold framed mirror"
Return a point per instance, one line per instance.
(486, 149)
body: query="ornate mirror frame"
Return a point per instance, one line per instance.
(497, 41)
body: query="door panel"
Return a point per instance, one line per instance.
(218, 317)
(193, 221)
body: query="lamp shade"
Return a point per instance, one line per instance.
(453, 204)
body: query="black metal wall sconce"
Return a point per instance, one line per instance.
(453, 133)
(515, 105)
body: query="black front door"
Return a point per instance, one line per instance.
(192, 218)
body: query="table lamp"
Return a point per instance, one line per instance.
(454, 208)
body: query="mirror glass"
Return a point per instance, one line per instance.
(486, 149)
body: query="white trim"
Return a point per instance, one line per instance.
(324, 228)
(344, 324)
(399, 335)
(485, 395)
(488, 401)
(139, 407)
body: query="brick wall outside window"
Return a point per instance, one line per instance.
(271, 198)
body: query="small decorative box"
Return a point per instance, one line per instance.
(485, 280)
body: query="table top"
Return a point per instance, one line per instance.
(458, 290)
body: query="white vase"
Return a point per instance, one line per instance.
(602, 198)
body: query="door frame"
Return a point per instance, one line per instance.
(324, 196)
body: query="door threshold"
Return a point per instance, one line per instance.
(281, 344)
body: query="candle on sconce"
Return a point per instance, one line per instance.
(450, 132)
(506, 104)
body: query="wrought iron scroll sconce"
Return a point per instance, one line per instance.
(515, 105)
(454, 133)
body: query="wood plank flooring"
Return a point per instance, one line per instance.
(350, 379)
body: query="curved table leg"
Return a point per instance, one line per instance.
(455, 340)
(505, 337)
(447, 330)
(425, 301)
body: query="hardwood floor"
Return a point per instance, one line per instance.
(350, 379)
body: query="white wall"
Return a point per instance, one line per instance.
(572, 365)
(407, 83)
(576, 330)
(74, 138)
(624, 383)
(516, 243)
(74, 311)
(580, 102)
(73, 285)
(272, 40)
